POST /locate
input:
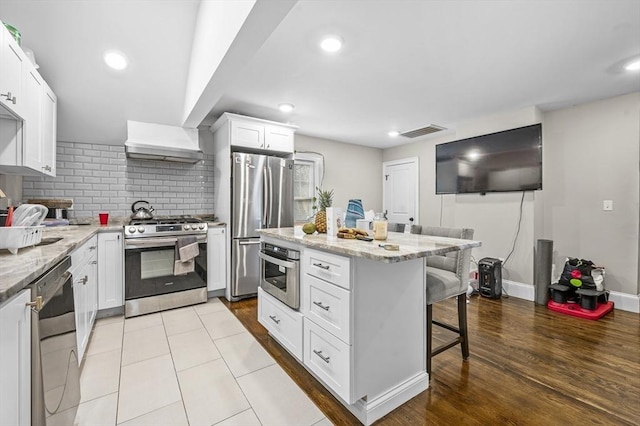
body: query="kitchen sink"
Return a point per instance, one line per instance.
(49, 240)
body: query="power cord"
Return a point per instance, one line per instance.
(515, 239)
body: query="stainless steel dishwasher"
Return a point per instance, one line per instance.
(55, 373)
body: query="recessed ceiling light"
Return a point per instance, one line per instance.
(393, 133)
(286, 107)
(115, 60)
(633, 65)
(331, 44)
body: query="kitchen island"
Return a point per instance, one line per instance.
(361, 326)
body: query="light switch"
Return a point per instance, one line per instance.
(607, 205)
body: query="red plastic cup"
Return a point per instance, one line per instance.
(104, 218)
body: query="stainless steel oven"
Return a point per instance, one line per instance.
(152, 283)
(280, 273)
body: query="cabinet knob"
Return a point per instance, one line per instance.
(9, 97)
(36, 306)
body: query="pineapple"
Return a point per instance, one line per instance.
(325, 198)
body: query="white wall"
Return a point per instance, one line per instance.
(217, 25)
(352, 171)
(494, 216)
(590, 154)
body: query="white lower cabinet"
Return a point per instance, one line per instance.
(110, 270)
(282, 323)
(15, 355)
(216, 259)
(329, 358)
(85, 291)
(327, 305)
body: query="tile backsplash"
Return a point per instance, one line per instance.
(99, 178)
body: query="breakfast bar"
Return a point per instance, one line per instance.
(361, 324)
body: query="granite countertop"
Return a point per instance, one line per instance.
(412, 246)
(19, 270)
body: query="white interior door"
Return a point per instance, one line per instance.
(400, 192)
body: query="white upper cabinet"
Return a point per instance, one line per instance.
(28, 114)
(254, 134)
(12, 69)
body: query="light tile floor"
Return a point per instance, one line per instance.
(195, 366)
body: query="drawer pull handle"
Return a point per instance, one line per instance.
(324, 358)
(321, 306)
(320, 265)
(274, 319)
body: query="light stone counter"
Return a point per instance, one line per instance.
(412, 246)
(19, 270)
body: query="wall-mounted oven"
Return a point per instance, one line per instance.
(280, 273)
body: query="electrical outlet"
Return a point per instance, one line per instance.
(607, 205)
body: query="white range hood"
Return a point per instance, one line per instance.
(149, 141)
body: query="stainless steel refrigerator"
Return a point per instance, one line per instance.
(261, 197)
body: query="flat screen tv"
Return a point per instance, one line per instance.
(505, 161)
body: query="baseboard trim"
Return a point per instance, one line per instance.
(519, 290)
(625, 301)
(621, 301)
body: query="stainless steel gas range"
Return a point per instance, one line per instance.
(156, 277)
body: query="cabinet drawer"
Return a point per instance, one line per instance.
(329, 267)
(84, 253)
(283, 323)
(328, 358)
(328, 306)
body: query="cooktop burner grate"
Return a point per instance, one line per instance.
(179, 220)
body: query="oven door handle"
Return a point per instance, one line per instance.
(276, 261)
(138, 243)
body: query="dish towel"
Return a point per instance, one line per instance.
(186, 250)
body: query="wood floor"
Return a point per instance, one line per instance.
(528, 366)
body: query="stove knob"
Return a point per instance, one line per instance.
(132, 229)
(201, 226)
(186, 227)
(141, 229)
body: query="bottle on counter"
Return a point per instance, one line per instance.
(379, 227)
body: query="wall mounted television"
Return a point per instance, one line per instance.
(505, 161)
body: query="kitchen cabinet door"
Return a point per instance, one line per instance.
(15, 353)
(279, 139)
(110, 270)
(85, 291)
(12, 63)
(216, 259)
(49, 129)
(249, 135)
(33, 153)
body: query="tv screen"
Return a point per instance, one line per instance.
(499, 162)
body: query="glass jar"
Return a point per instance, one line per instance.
(379, 227)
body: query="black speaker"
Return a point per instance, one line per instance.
(490, 279)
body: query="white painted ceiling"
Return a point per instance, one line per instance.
(405, 64)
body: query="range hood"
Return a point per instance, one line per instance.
(149, 141)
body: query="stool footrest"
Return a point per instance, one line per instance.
(446, 346)
(447, 326)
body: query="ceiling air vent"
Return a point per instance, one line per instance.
(432, 128)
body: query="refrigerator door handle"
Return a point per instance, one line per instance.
(249, 243)
(265, 197)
